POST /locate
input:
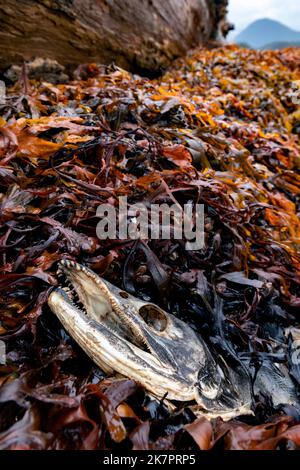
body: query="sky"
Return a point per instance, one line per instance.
(244, 12)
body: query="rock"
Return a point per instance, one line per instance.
(48, 70)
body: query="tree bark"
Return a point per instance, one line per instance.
(140, 35)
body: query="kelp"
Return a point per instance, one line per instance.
(219, 128)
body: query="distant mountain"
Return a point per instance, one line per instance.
(280, 45)
(265, 32)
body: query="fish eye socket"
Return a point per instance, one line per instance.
(154, 317)
(123, 294)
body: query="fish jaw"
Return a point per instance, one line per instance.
(98, 343)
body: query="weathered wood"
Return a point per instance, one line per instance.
(135, 34)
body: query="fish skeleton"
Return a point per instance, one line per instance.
(139, 340)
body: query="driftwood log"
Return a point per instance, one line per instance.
(140, 35)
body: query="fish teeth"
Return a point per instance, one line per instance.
(68, 263)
